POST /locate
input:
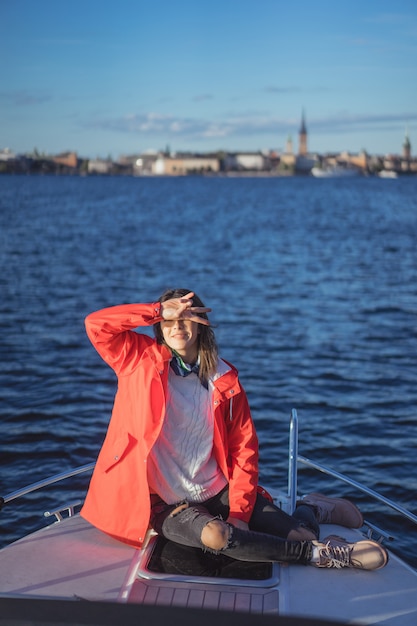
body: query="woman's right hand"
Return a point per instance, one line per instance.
(182, 308)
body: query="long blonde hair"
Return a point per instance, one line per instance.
(207, 345)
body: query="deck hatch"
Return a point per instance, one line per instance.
(165, 560)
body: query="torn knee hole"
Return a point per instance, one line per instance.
(216, 535)
(178, 510)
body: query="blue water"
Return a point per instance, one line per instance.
(313, 285)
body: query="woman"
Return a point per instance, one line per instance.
(181, 451)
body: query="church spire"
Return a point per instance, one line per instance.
(303, 129)
(406, 146)
(302, 150)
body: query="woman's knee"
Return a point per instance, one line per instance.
(215, 535)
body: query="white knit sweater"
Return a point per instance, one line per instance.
(181, 465)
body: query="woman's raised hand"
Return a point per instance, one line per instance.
(182, 308)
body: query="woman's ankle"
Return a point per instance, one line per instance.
(301, 534)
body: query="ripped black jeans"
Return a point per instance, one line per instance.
(266, 539)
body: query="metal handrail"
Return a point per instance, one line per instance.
(353, 483)
(44, 483)
(295, 458)
(292, 461)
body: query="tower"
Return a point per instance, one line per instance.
(302, 148)
(406, 147)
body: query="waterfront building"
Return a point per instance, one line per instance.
(244, 161)
(99, 166)
(7, 155)
(181, 165)
(163, 164)
(67, 159)
(288, 145)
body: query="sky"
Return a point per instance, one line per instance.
(120, 78)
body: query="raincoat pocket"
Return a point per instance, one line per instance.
(114, 453)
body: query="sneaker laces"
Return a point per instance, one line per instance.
(336, 556)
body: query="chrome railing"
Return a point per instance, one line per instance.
(295, 459)
(292, 461)
(45, 483)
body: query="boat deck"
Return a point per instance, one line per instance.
(69, 559)
(73, 560)
(202, 596)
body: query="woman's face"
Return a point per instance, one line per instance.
(181, 335)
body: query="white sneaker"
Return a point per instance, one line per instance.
(336, 552)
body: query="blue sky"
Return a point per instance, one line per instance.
(123, 77)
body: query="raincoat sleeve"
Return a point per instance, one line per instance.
(111, 333)
(242, 458)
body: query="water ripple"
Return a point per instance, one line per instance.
(314, 297)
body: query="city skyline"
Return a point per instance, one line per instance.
(201, 78)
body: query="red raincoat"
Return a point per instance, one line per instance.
(118, 501)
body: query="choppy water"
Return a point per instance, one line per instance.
(313, 284)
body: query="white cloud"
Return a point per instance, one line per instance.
(203, 97)
(23, 97)
(169, 126)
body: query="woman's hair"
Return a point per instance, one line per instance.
(207, 345)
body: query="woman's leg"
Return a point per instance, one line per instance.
(183, 523)
(269, 518)
(196, 526)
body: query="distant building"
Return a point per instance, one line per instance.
(99, 166)
(7, 155)
(302, 146)
(288, 145)
(245, 161)
(304, 162)
(68, 159)
(401, 164)
(358, 160)
(287, 158)
(162, 164)
(406, 147)
(142, 164)
(179, 166)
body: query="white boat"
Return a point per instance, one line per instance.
(337, 171)
(387, 174)
(71, 573)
